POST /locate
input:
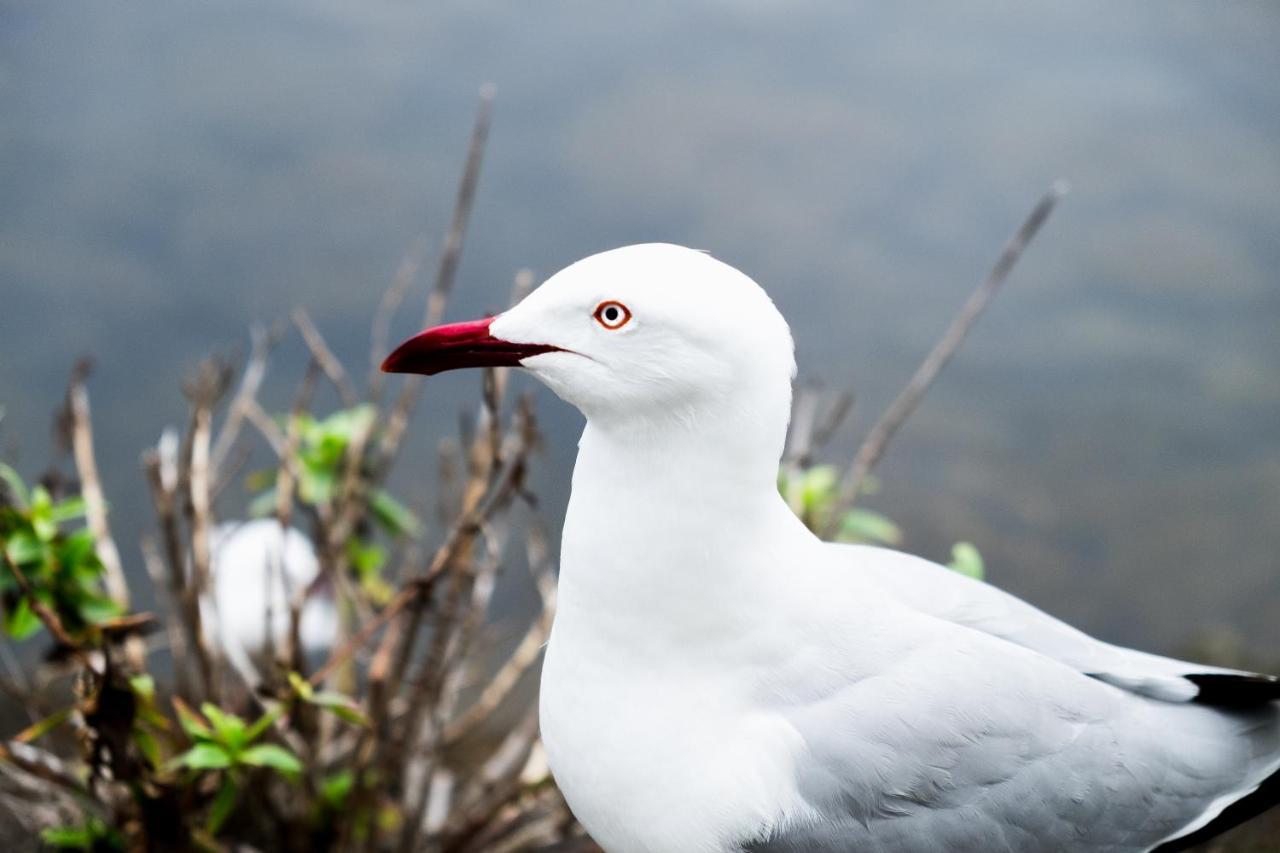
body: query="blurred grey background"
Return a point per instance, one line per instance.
(1109, 438)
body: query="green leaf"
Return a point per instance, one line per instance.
(316, 483)
(23, 548)
(344, 707)
(863, 525)
(260, 725)
(204, 756)
(966, 559)
(274, 756)
(227, 727)
(20, 621)
(17, 488)
(224, 803)
(335, 789)
(94, 608)
(395, 517)
(377, 589)
(93, 835)
(42, 522)
(73, 507)
(366, 558)
(77, 550)
(819, 483)
(144, 686)
(149, 747)
(191, 722)
(348, 423)
(301, 686)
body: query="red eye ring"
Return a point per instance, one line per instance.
(612, 314)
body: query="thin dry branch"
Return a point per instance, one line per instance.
(95, 503)
(904, 404)
(164, 497)
(262, 422)
(467, 526)
(526, 653)
(324, 357)
(380, 328)
(255, 371)
(173, 627)
(451, 254)
(45, 766)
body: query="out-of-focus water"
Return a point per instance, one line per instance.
(1110, 438)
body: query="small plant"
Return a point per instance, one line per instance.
(966, 560)
(92, 836)
(325, 448)
(812, 493)
(47, 561)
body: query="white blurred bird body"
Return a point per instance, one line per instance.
(720, 680)
(257, 570)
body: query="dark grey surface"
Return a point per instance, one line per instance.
(1110, 438)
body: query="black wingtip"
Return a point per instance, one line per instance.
(1235, 691)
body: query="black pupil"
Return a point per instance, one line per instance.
(611, 314)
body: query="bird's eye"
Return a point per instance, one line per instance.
(612, 315)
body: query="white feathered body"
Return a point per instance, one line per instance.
(720, 680)
(891, 705)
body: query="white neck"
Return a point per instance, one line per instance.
(652, 501)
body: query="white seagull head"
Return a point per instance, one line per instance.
(637, 336)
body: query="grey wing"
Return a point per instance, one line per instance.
(974, 745)
(939, 592)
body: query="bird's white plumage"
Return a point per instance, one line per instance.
(720, 680)
(257, 570)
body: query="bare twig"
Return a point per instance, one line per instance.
(43, 765)
(469, 524)
(173, 624)
(255, 371)
(324, 357)
(163, 484)
(204, 390)
(256, 415)
(286, 482)
(450, 255)
(380, 329)
(91, 485)
(525, 655)
(904, 404)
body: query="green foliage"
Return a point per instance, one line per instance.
(340, 705)
(813, 493)
(60, 564)
(324, 448)
(225, 741)
(966, 560)
(93, 835)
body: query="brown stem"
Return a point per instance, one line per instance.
(324, 357)
(398, 420)
(904, 404)
(91, 485)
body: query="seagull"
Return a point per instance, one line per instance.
(257, 569)
(720, 680)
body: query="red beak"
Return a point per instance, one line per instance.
(458, 345)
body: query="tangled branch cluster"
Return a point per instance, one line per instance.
(389, 744)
